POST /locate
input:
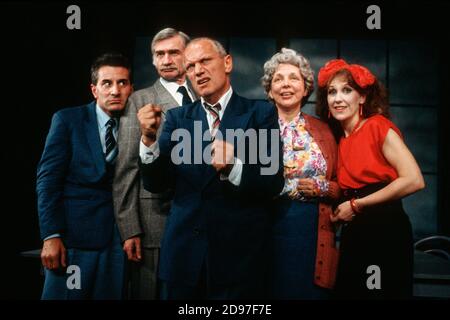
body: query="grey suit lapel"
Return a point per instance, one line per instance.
(164, 98)
(93, 137)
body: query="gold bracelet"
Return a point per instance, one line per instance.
(354, 206)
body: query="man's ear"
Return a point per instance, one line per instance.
(228, 60)
(94, 91)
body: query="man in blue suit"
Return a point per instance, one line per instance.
(215, 236)
(82, 253)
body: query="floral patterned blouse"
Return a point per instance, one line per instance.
(302, 158)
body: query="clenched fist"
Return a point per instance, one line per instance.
(132, 248)
(53, 254)
(149, 117)
(222, 156)
(343, 213)
(308, 188)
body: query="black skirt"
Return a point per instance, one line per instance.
(376, 259)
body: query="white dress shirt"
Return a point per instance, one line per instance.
(172, 87)
(149, 154)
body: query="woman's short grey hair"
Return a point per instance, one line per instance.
(289, 56)
(169, 33)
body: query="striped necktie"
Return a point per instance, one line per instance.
(214, 111)
(110, 142)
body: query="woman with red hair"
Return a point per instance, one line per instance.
(375, 171)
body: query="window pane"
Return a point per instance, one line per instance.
(413, 73)
(421, 208)
(144, 73)
(309, 108)
(369, 53)
(249, 55)
(317, 51)
(419, 127)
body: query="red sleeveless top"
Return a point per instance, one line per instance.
(361, 160)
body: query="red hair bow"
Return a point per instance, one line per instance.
(362, 76)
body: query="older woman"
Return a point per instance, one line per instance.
(304, 257)
(375, 170)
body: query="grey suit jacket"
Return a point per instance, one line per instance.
(137, 211)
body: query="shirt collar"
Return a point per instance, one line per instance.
(223, 100)
(298, 119)
(102, 117)
(172, 86)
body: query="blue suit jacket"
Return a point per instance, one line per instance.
(209, 217)
(73, 188)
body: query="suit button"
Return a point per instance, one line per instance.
(321, 262)
(322, 227)
(322, 245)
(318, 277)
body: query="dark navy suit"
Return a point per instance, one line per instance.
(74, 188)
(215, 229)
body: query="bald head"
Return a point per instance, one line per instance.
(218, 47)
(208, 67)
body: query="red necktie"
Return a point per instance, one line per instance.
(214, 111)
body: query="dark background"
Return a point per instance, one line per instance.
(47, 68)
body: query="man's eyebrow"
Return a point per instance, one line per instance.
(168, 50)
